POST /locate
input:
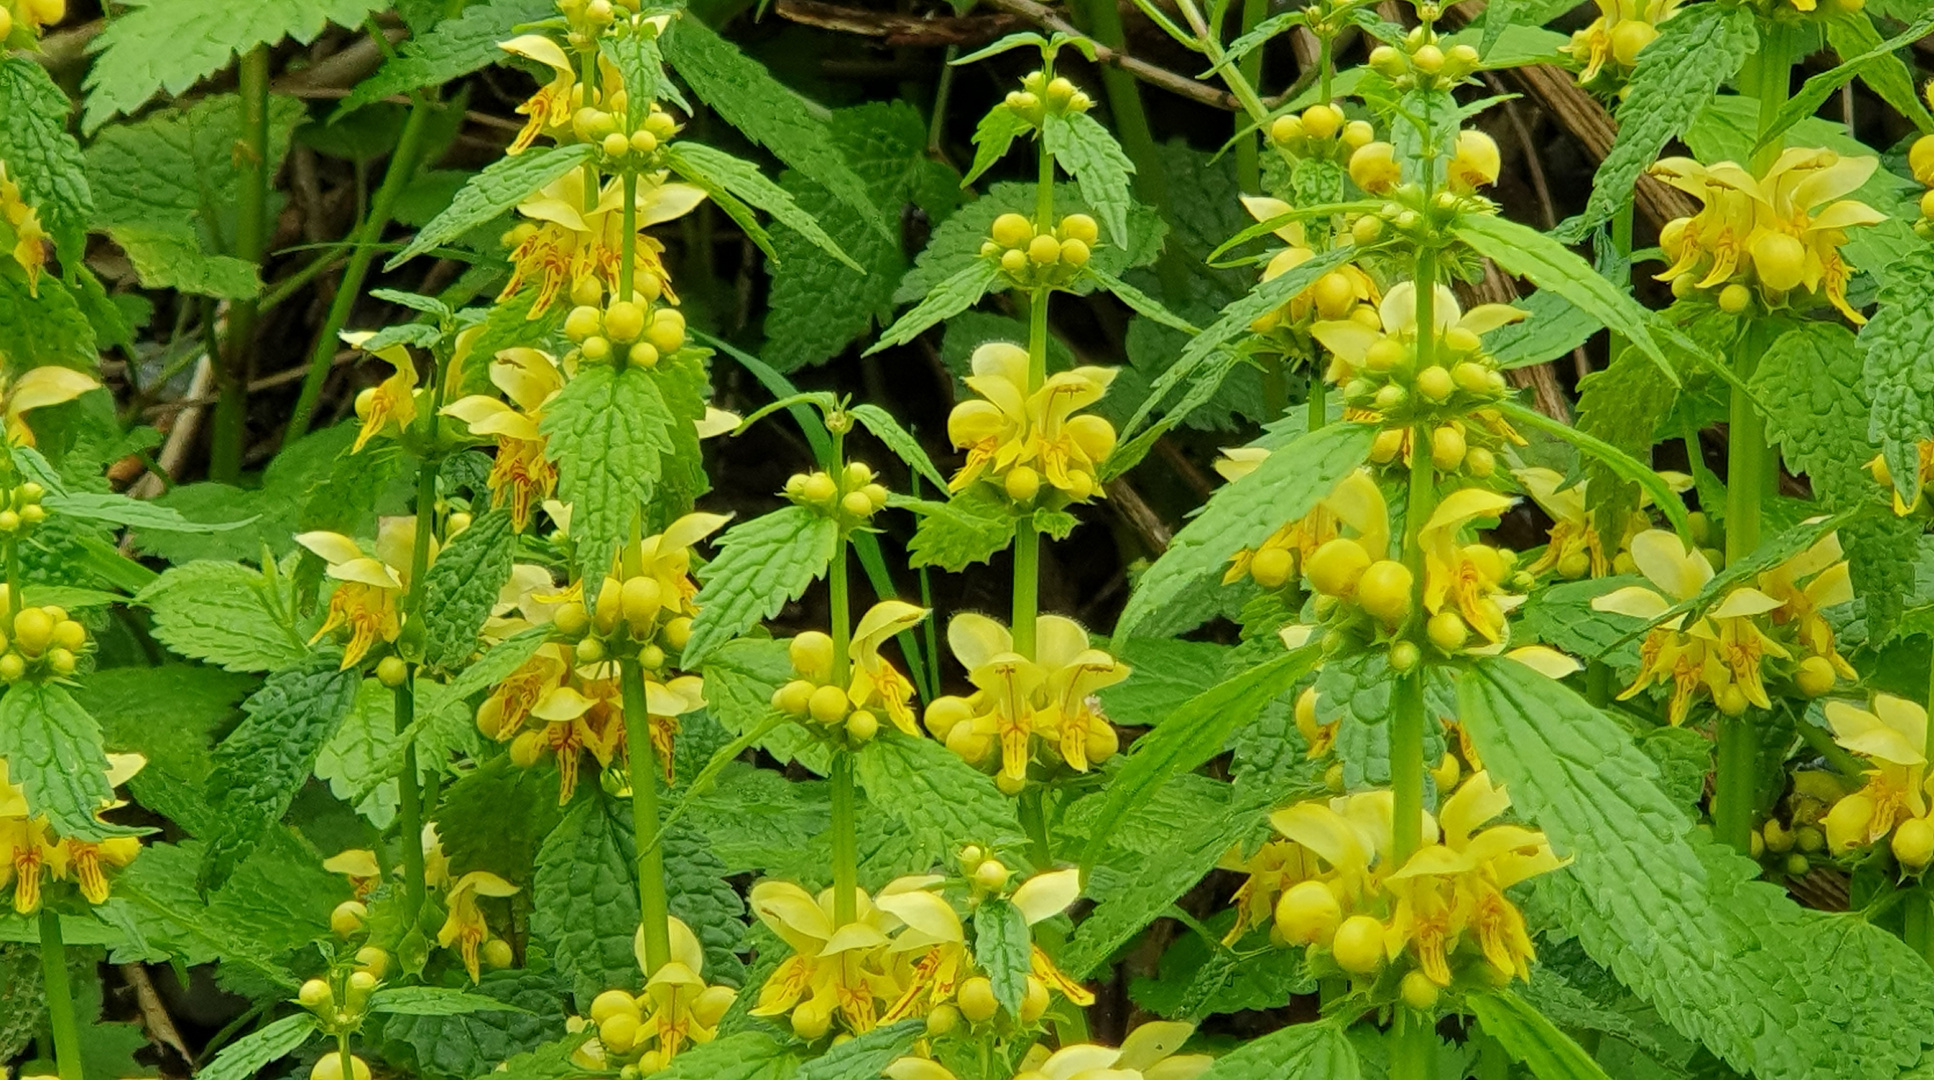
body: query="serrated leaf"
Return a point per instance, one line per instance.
(1003, 948)
(261, 765)
(897, 439)
(496, 817)
(760, 565)
(746, 1055)
(170, 45)
(941, 799)
(1528, 1037)
(1141, 302)
(108, 508)
(355, 761)
(505, 183)
(1815, 412)
(864, 1056)
(1680, 919)
(249, 1055)
(699, 895)
(966, 529)
(42, 158)
(762, 108)
(993, 135)
(435, 1001)
(552, 1061)
(48, 329)
(1192, 735)
(1287, 485)
(740, 677)
(452, 49)
(1089, 153)
(460, 1047)
(226, 614)
(1862, 55)
(1307, 1051)
(1899, 370)
(462, 585)
(951, 297)
(586, 899)
(609, 431)
(1553, 327)
(1676, 76)
(499, 661)
(53, 751)
(641, 64)
(715, 169)
(174, 259)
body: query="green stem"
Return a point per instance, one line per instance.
(629, 255)
(1275, 385)
(1319, 412)
(1232, 76)
(653, 909)
(1920, 907)
(1748, 475)
(60, 996)
(1413, 1046)
(1027, 539)
(1034, 821)
(1248, 146)
(1102, 20)
(846, 854)
(1326, 65)
(1768, 76)
(396, 176)
(251, 241)
(342, 1051)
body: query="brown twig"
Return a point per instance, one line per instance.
(1043, 16)
(1140, 516)
(895, 29)
(154, 1015)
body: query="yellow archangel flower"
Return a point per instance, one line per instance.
(390, 406)
(22, 223)
(1782, 231)
(464, 929)
(567, 244)
(549, 110)
(359, 865)
(1278, 559)
(1466, 579)
(876, 683)
(676, 1010)
(29, 849)
(1614, 39)
(590, 716)
(1148, 1053)
(1923, 475)
(1333, 296)
(1575, 550)
(1018, 699)
(521, 475)
(1805, 585)
(1459, 333)
(368, 587)
(37, 389)
(834, 969)
(1721, 653)
(1022, 439)
(666, 559)
(1892, 736)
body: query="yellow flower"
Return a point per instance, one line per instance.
(359, 865)
(876, 683)
(1575, 549)
(1828, 583)
(23, 223)
(1614, 40)
(368, 586)
(1333, 296)
(1023, 439)
(1350, 341)
(992, 430)
(502, 714)
(568, 244)
(1467, 578)
(1893, 738)
(1270, 872)
(1782, 231)
(1071, 714)
(677, 1008)
(37, 389)
(1474, 162)
(521, 474)
(464, 929)
(1147, 1054)
(929, 955)
(1924, 475)
(833, 969)
(1039, 899)
(551, 108)
(587, 716)
(30, 848)
(389, 404)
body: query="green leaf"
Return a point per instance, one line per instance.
(747, 1055)
(452, 49)
(1899, 371)
(1307, 1051)
(995, 132)
(174, 259)
(1681, 920)
(108, 508)
(247, 1056)
(761, 108)
(49, 329)
(226, 614)
(1003, 950)
(462, 586)
(53, 750)
(941, 799)
(356, 762)
(261, 765)
(1141, 302)
(1080, 145)
(42, 158)
(474, 1044)
(1525, 252)
(170, 45)
(609, 431)
(951, 297)
(1815, 412)
(1234, 321)
(864, 1056)
(740, 678)
(1192, 735)
(586, 899)
(897, 439)
(716, 170)
(505, 183)
(1530, 1038)
(1862, 55)
(760, 565)
(641, 63)
(552, 1061)
(1677, 75)
(496, 817)
(1287, 485)
(968, 528)
(1553, 327)
(1618, 461)
(435, 1001)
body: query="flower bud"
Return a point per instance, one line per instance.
(1386, 61)
(615, 145)
(811, 654)
(1384, 590)
(1014, 261)
(1270, 567)
(315, 995)
(862, 725)
(392, 672)
(642, 354)
(1034, 1000)
(976, 1000)
(1308, 913)
(1779, 259)
(667, 330)
(1435, 383)
(1418, 991)
(347, 919)
(624, 321)
(1447, 448)
(828, 705)
(1374, 168)
(1913, 843)
(1074, 253)
(1022, 483)
(643, 142)
(1334, 568)
(1012, 230)
(794, 698)
(1358, 945)
(1815, 677)
(1428, 59)
(1043, 250)
(1322, 121)
(1630, 36)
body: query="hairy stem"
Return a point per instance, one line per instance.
(1749, 472)
(1027, 539)
(1413, 1046)
(846, 854)
(251, 241)
(1248, 147)
(653, 907)
(60, 996)
(342, 1053)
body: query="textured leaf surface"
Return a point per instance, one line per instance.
(462, 585)
(995, 132)
(250, 1054)
(226, 614)
(760, 565)
(1810, 383)
(1550, 1054)
(1677, 74)
(609, 432)
(435, 1001)
(170, 45)
(702, 164)
(1002, 948)
(1899, 346)
(174, 259)
(53, 751)
(747, 1055)
(1079, 144)
(1287, 485)
(897, 439)
(42, 158)
(586, 900)
(864, 1056)
(505, 183)
(261, 765)
(949, 298)
(1308, 1051)
(941, 799)
(1681, 920)
(452, 49)
(460, 1047)
(966, 529)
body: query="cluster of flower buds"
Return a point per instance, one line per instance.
(1789, 843)
(851, 500)
(1423, 63)
(27, 17)
(639, 330)
(1040, 96)
(848, 705)
(44, 644)
(638, 606)
(22, 510)
(825, 703)
(1320, 131)
(1474, 163)
(640, 1034)
(588, 19)
(624, 149)
(1035, 258)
